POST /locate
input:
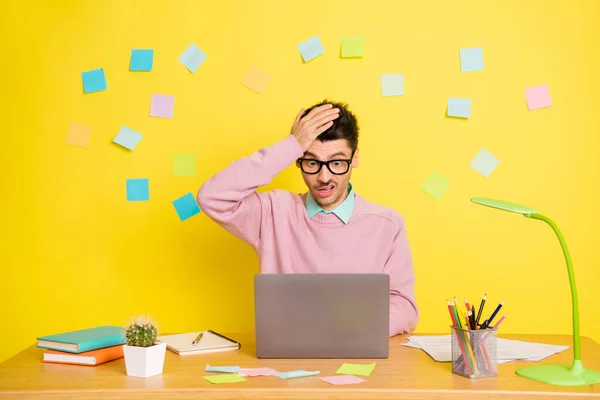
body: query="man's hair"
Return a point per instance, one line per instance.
(344, 127)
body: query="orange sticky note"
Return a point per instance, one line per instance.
(79, 134)
(256, 79)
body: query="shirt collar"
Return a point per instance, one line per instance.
(343, 211)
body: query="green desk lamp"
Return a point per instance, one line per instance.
(554, 374)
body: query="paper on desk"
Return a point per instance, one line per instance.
(225, 370)
(356, 369)
(257, 372)
(296, 374)
(226, 378)
(439, 348)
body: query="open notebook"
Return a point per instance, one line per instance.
(211, 342)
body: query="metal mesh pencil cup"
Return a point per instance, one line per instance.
(474, 352)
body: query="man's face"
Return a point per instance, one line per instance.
(329, 190)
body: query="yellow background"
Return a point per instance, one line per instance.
(76, 254)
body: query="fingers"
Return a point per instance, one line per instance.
(325, 118)
(318, 110)
(323, 128)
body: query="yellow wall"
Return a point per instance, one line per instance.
(76, 254)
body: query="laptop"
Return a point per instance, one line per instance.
(322, 315)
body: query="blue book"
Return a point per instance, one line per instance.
(84, 340)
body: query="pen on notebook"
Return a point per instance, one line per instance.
(480, 309)
(491, 318)
(195, 342)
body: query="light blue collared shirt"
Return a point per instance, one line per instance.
(343, 211)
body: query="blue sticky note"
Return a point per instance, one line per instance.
(137, 189)
(192, 57)
(127, 138)
(471, 59)
(392, 85)
(222, 369)
(300, 373)
(311, 49)
(459, 107)
(141, 60)
(93, 81)
(186, 206)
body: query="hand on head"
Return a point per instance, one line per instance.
(307, 128)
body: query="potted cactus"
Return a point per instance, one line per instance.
(143, 356)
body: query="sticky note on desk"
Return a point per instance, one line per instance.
(392, 85)
(224, 370)
(353, 46)
(435, 185)
(257, 372)
(471, 59)
(184, 165)
(186, 206)
(79, 134)
(141, 60)
(356, 369)
(484, 162)
(162, 105)
(137, 189)
(311, 49)
(93, 81)
(192, 58)
(460, 108)
(127, 138)
(343, 380)
(225, 378)
(256, 79)
(296, 374)
(538, 97)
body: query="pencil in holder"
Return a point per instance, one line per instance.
(474, 352)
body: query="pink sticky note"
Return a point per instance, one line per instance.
(162, 106)
(257, 372)
(343, 379)
(538, 97)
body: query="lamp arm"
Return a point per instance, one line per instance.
(574, 300)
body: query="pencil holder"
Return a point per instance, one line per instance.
(474, 352)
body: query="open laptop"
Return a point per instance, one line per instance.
(322, 315)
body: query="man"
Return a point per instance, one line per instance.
(330, 229)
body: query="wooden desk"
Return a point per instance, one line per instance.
(407, 374)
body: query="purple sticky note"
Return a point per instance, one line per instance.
(538, 97)
(162, 106)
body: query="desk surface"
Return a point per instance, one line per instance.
(407, 374)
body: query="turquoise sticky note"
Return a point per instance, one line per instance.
(127, 138)
(392, 85)
(296, 374)
(137, 189)
(310, 49)
(186, 207)
(93, 81)
(192, 57)
(484, 162)
(471, 59)
(141, 60)
(222, 369)
(459, 107)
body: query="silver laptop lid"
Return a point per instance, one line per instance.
(322, 315)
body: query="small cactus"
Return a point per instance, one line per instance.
(141, 332)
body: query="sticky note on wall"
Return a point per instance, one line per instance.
(184, 165)
(94, 80)
(186, 206)
(458, 107)
(192, 58)
(256, 79)
(79, 134)
(162, 106)
(484, 162)
(435, 185)
(311, 49)
(392, 85)
(141, 60)
(137, 189)
(353, 46)
(538, 97)
(127, 138)
(471, 59)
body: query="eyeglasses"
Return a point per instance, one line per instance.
(337, 167)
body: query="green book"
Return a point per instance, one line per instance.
(84, 340)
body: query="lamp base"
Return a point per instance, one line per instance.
(561, 374)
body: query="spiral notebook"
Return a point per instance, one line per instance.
(211, 342)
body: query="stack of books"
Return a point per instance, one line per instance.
(91, 346)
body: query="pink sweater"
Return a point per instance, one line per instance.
(286, 240)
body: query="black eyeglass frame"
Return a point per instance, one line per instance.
(326, 163)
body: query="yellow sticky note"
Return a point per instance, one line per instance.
(353, 46)
(184, 165)
(225, 378)
(435, 185)
(356, 369)
(256, 79)
(79, 134)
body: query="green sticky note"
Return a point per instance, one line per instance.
(184, 165)
(356, 369)
(353, 46)
(435, 185)
(225, 378)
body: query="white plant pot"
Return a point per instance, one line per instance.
(144, 361)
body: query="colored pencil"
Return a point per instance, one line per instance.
(489, 320)
(473, 323)
(464, 345)
(480, 309)
(467, 304)
(500, 320)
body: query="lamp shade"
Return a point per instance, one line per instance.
(504, 205)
